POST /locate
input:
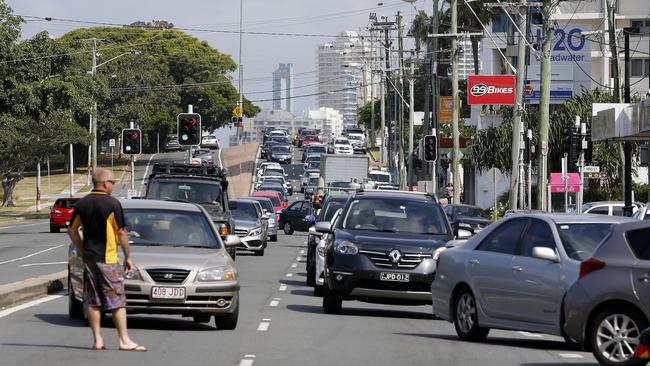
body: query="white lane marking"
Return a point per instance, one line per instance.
(302, 251)
(532, 335)
(264, 325)
(26, 225)
(275, 302)
(298, 259)
(146, 172)
(42, 264)
(570, 355)
(246, 362)
(31, 255)
(249, 356)
(29, 305)
(295, 265)
(289, 274)
(283, 287)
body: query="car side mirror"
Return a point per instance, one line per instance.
(232, 241)
(545, 253)
(463, 234)
(266, 216)
(312, 231)
(323, 227)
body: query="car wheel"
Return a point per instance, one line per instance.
(466, 318)
(273, 237)
(229, 321)
(75, 307)
(614, 336)
(318, 290)
(331, 303)
(288, 228)
(201, 318)
(259, 253)
(54, 229)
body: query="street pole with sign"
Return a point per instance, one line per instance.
(111, 144)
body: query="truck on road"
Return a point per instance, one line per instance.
(336, 170)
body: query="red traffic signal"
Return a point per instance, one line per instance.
(189, 129)
(430, 148)
(131, 141)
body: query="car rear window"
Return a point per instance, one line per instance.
(274, 199)
(638, 240)
(581, 240)
(65, 203)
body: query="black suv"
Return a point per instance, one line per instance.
(466, 217)
(203, 184)
(382, 249)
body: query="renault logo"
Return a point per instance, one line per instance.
(395, 255)
(168, 276)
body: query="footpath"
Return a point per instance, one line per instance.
(240, 162)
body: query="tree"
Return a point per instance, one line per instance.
(468, 22)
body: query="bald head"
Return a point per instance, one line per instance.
(103, 180)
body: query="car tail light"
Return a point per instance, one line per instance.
(590, 265)
(642, 352)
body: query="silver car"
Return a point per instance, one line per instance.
(608, 307)
(181, 265)
(251, 224)
(514, 274)
(267, 208)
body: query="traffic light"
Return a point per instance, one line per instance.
(572, 143)
(589, 150)
(131, 141)
(430, 148)
(237, 121)
(189, 129)
(528, 152)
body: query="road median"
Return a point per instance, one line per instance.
(23, 291)
(240, 162)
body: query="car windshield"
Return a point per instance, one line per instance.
(380, 177)
(304, 133)
(188, 191)
(281, 149)
(355, 137)
(581, 240)
(149, 227)
(311, 138)
(331, 209)
(468, 211)
(269, 144)
(313, 181)
(274, 199)
(340, 185)
(273, 179)
(341, 142)
(66, 203)
(313, 165)
(266, 204)
(392, 215)
(316, 150)
(244, 211)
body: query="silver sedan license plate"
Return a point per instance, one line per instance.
(395, 277)
(167, 292)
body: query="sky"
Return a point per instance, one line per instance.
(261, 54)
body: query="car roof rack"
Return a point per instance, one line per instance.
(199, 170)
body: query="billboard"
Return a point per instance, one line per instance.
(492, 89)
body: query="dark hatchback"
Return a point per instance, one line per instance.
(383, 249)
(466, 217)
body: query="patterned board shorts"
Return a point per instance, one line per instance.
(105, 285)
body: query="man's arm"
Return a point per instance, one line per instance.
(73, 233)
(123, 238)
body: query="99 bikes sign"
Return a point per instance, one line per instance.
(495, 89)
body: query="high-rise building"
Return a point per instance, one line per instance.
(344, 67)
(466, 58)
(283, 87)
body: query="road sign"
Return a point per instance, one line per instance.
(592, 169)
(557, 182)
(238, 111)
(111, 143)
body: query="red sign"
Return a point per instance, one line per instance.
(494, 89)
(557, 182)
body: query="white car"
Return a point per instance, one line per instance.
(607, 208)
(209, 142)
(358, 141)
(643, 213)
(378, 178)
(320, 257)
(342, 146)
(279, 133)
(262, 166)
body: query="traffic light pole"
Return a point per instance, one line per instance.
(581, 163)
(190, 109)
(409, 176)
(529, 181)
(132, 159)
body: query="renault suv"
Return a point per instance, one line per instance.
(382, 249)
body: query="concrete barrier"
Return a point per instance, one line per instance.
(20, 292)
(240, 162)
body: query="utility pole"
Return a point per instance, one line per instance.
(627, 145)
(372, 90)
(613, 49)
(409, 176)
(454, 101)
(434, 91)
(93, 113)
(517, 124)
(386, 84)
(400, 119)
(544, 104)
(240, 103)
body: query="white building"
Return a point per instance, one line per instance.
(466, 59)
(283, 87)
(331, 121)
(344, 69)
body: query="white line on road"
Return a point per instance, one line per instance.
(275, 302)
(283, 287)
(26, 225)
(298, 259)
(29, 305)
(41, 264)
(302, 251)
(570, 355)
(31, 255)
(264, 325)
(246, 362)
(532, 335)
(289, 275)
(295, 265)
(146, 172)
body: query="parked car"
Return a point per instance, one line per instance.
(281, 154)
(610, 208)
(331, 204)
(182, 266)
(382, 249)
(251, 224)
(643, 213)
(608, 307)
(267, 207)
(294, 217)
(320, 254)
(467, 217)
(514, 274)
(61, 213)
(171, 143)
(210, 142)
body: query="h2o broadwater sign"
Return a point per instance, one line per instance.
(494, 89)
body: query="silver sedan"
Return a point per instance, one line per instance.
(514, 274)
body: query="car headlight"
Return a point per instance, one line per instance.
(216, 274)
(222, 229)
(256, 231)
(133, 275)
(346, 247)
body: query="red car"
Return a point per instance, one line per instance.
(278, 203)
(61, 213)
(311, 139)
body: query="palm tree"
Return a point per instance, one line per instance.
(420, 29)
(468, 22)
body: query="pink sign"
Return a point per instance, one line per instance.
(557, 182)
